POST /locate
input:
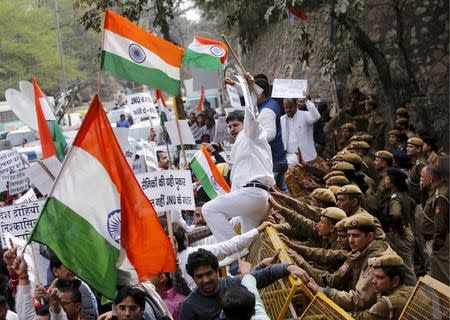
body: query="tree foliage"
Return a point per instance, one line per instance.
(28, 45)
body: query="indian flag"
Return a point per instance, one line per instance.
(53, 142)
(164, 112)
(205, 53)
(97, 218)
(131, 53)
(206, 171)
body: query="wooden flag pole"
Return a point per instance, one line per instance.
(170, 230)
(234, 54)
(178, 129)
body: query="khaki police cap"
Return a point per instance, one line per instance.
(334, 213)
(350, 189)
(340, 225)
(334, 189)
(338, 157)
(401, 110)
(355, 137)
(360, 220)
(395, 132)
(366, 137)
(349, 126)
(343, 166)
(337, 181)
(415, 141)
(333, 174)
(385, 155)
(323, 194)
(386, 261)
(358, 145)
(402, 121)
(351, 157)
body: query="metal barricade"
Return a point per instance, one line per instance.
(430, 300)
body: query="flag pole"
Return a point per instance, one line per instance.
(234, 54)
(178, 129)
(169, 229)
(244, 72)
(99, 77)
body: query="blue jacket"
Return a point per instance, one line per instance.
(278, 151)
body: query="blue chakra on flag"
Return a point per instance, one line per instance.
(113, 225)
(214, 183)
(217, 51)
(137, 54)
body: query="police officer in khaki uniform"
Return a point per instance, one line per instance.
(351, 174)
(361, 230)
(392, 293)
(383, 160)
(397, 219)
(429, 151)
(361, 148)
(435, 221)
(414, 152)
(333, 174)
(395, 141)
(349, 199)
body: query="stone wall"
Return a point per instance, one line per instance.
(426, 40)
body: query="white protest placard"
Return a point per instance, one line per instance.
(221, 133)
(149, 153)
(30, 196)
(39, 177)
(31, 256)
(233, 94)
(289, 88)
(9, 160)
(19, 219)
(185, 131)
(227, 148)
(168, 189)
(141, 106)
(245, 92)
(18, 182)
(122, 137)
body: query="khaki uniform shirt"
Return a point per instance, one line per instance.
(388, 307)
(361, 294)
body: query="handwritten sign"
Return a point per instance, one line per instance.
(18, 182)
(19, 219)
(149, 154)
(289, 88)
(168, 189)
(9, 160)
(227, 148)
(233, 94)
(141, 106)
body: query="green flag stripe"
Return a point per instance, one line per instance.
(78, 245)
(204, 178)
(201, 60)
(125, 69)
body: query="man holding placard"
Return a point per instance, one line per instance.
(297, 130)
(251, 176)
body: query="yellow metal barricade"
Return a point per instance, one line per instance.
(430, 300)
(288, 298)
(321, 307)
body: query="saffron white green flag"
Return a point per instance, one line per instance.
(205, 53)
(97, 218)
(206, 171)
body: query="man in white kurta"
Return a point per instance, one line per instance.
(297, 131)
(251, 178)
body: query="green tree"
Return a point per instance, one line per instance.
(28, 46)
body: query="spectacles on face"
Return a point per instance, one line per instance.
(123, 308)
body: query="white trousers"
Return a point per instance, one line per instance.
(251, 205)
